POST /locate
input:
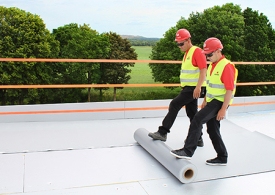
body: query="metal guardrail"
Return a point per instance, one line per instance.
(115, 61)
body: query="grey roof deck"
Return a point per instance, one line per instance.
(55, 154)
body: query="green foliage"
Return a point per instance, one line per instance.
(225, 23)
(246, 36)
(23, 35)
(132, 94)
(141, 41)
(117, 73)
(79, 42)
(140, 75)
(136, 42)
(166, 49)
(259, 46)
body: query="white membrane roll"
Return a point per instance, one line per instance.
(182, 169)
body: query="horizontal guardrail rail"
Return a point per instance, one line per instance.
(115, 61)
(115, 85)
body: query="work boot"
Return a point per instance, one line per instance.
(158, 136)
(216, 161)
(180, 154)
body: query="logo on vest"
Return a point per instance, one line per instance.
(217, 74)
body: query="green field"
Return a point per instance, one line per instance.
(141, 74)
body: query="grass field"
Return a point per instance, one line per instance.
(141, 74)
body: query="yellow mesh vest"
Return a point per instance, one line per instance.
(189, 75)
(215, 88)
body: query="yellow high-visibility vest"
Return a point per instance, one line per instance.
(189, 75)
(214, 87)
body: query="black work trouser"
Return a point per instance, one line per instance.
(206, 115)
(185, 98)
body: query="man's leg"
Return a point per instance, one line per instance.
(191, 110)
(208, 112)
(213, 129)
(185, 97)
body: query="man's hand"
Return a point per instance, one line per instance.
(197, 93)
(221, 114)
(227, 98)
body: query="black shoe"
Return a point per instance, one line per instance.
(158, 136)
(216, 161)
(180, 154)
(200, 142)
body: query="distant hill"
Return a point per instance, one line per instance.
(136, 37)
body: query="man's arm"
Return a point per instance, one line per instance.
(227, 98)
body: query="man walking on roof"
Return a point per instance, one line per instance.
(221, 86)
(192, 78)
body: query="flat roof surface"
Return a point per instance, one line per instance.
(102, 157)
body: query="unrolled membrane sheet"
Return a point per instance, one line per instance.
(182, 169)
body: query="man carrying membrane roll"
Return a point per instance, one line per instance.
(192, 77)
(221, 86)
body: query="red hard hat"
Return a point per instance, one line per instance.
(211, 44)
(182, 34)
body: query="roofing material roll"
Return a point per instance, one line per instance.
(182, 169)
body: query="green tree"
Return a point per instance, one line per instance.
(166, 49)
(23, 35)
(117, 73)
(225, 23)
(246, 36)
(259, 47)
(80, 42)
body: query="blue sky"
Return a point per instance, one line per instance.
(148, 18)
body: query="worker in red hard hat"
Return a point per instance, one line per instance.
(211, 45)
(221, 86)
(192, 78)
(182, 35)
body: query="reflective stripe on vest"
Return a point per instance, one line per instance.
(218, 86)
(189, 74)
(190, 71)
(215, 87)
(188, 80)
(212, 96)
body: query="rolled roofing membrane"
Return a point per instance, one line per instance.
(182, 169)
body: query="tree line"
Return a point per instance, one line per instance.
(23, 35)
(141, 41)
(246, 36)
(136, 42)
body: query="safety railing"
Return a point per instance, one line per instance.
(116, 85)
